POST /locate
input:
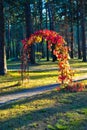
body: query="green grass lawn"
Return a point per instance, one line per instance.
(67, 111)
(51, 110)
(44, 73)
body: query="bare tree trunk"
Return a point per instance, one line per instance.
(82, 9)
(47, 28)
(78, 38)
(71, 26)
(29, 30)
(40, 12)
(9, 41)
(51, 21)
(41, 18)
(3, 68)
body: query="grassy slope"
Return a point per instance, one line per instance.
(52, 109)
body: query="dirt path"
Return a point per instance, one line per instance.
(34, 91)
(26, 93)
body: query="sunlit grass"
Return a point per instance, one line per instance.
(24, 106)
(46, 73)
(78, 63)
(12, 82)
(23, 111)
(48, 110)
(61, 110)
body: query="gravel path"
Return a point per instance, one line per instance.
(34, 91)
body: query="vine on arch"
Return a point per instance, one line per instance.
(61, 51)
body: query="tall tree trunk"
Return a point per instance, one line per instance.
(41, 18)
(50, 16)
(71, 26)
(66, 21)
(40, 13)
(3, 68)
(51, 22)
(29, 30)
(71, 40)
(8, 41)
(13, 43)
(47, 28)
(82, 9)
(78, 38)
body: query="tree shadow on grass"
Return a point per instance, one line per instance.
(10, 86)
(81, 71)
(64, 102)
(11, 79)
(19, 90)
(43, 76)
(10, 89)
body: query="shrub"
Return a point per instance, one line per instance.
(73, 87)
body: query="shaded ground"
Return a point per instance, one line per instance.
(67, 111)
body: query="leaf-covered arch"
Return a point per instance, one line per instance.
(60, 51)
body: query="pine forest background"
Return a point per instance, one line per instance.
(20, 18)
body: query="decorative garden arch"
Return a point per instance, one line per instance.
(61, 51)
